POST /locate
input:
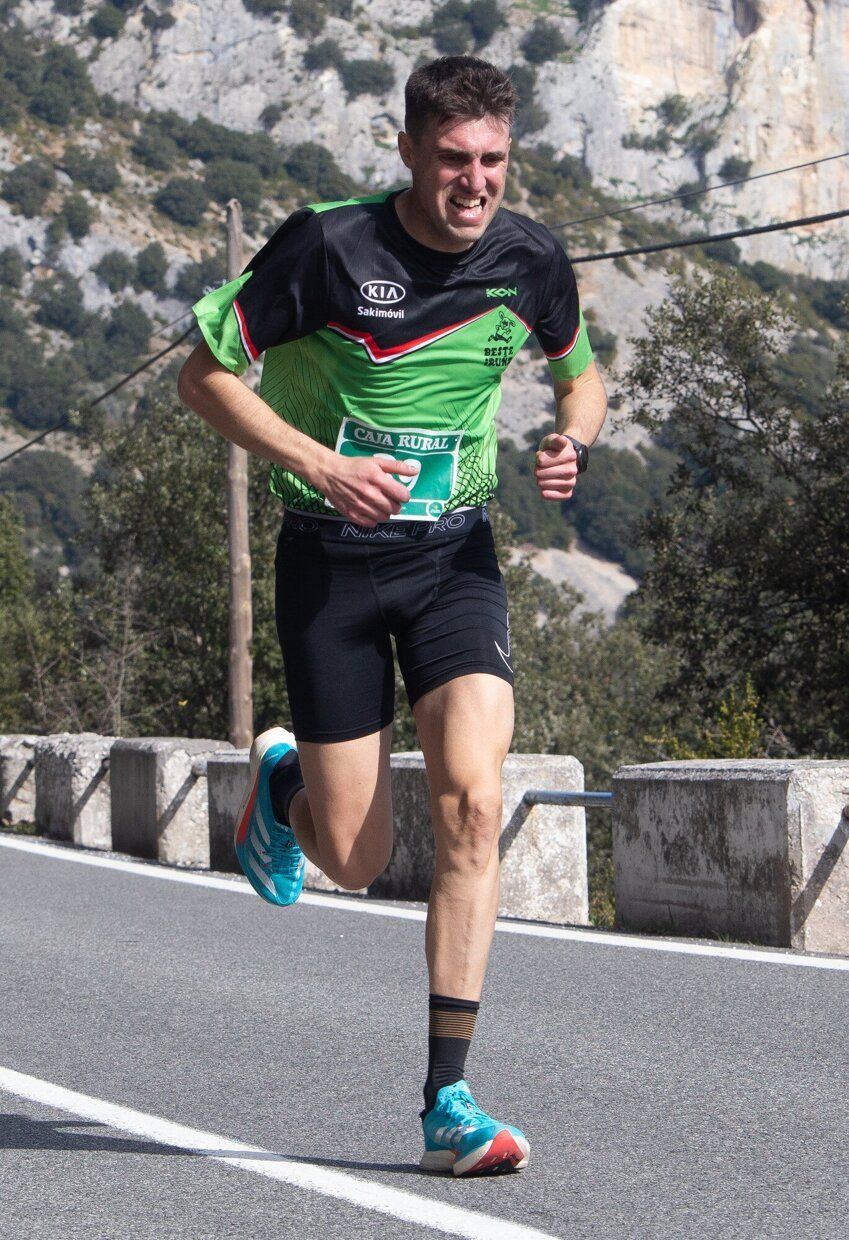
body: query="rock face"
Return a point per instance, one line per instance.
(765, 81)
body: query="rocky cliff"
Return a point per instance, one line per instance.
(649, 93)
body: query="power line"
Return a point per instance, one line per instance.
(728, 236)
(697, 193)
(583, 258)
(103, 395)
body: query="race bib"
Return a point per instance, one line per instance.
(435, 452)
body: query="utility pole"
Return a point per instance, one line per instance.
(241, 610)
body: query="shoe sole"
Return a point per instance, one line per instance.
(260, 747)
(496, 1157)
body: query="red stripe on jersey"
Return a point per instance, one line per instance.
(555, 357)
(248, 345)
(379, 355)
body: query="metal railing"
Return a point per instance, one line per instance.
(589, 800)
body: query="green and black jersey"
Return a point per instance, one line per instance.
(376, 344)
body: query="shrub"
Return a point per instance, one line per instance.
(231, 178)
(61, 88)
(127, 335)
(306, 17)
(115, 270)
(151, 269)
(270, 115)
(366, 77)
(98, 173)
(90, 353)
(673, 110)
(722, 252)
(264, 8)
(690, 192)
(484, 18)
(734, 168)
(324, 55)
(158, 21)
(699, 140)
(183, 200)
(530, 117)
(543, 42)
(107, 21)
(195, 278)
(457, 27)
(42, 393)
(27, 186)
(155, 149)
(60, 305)
(314, 167)
(11, 267)
(77, 215)
(48, 489)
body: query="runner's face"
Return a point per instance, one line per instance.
(459, 169)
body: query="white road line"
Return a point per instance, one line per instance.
(356, 904)
(367, 1194)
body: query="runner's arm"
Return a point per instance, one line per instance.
(362, 489)
(581, 410)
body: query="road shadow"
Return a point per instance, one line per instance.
(19, 1132)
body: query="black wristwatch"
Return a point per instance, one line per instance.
(582, 451)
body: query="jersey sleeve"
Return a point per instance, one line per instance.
(280, 296)
(560, 327)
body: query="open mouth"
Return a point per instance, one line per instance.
(468, 210)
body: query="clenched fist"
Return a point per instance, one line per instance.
(556, 467)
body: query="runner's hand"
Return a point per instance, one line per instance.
(556, 467)
(364, 489)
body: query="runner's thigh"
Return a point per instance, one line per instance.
(350, 796)
(337, 652)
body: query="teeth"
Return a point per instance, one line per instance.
(466, 203)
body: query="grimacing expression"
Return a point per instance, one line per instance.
(458, 168)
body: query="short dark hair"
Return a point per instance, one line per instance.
(461, 87)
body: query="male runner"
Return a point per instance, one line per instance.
(386, 324)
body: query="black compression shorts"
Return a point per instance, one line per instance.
(343, 591)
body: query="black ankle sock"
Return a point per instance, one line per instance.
(452, 1023)
(286, 780)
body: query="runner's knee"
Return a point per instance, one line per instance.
(467, 825)
(356, 870)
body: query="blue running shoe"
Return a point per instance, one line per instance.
(460, 1137)
(267, 849)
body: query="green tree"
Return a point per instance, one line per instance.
(182, 199)
(78, 216)
(158, 519)
(152, 269)
(115, 270)
(11, 267)
(543, 42)
(746, 572)
(26, 187)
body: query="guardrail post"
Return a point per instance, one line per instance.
(754, 849)
(17, 778)
(72, 793)
(159, 798)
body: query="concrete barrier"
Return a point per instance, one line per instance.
(17, 779)
(543, 847)
(752, 849)
(72, 787)
(159, 798)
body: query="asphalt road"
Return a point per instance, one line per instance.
(664, 1094)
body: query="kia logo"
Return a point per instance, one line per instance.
(384, 292)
